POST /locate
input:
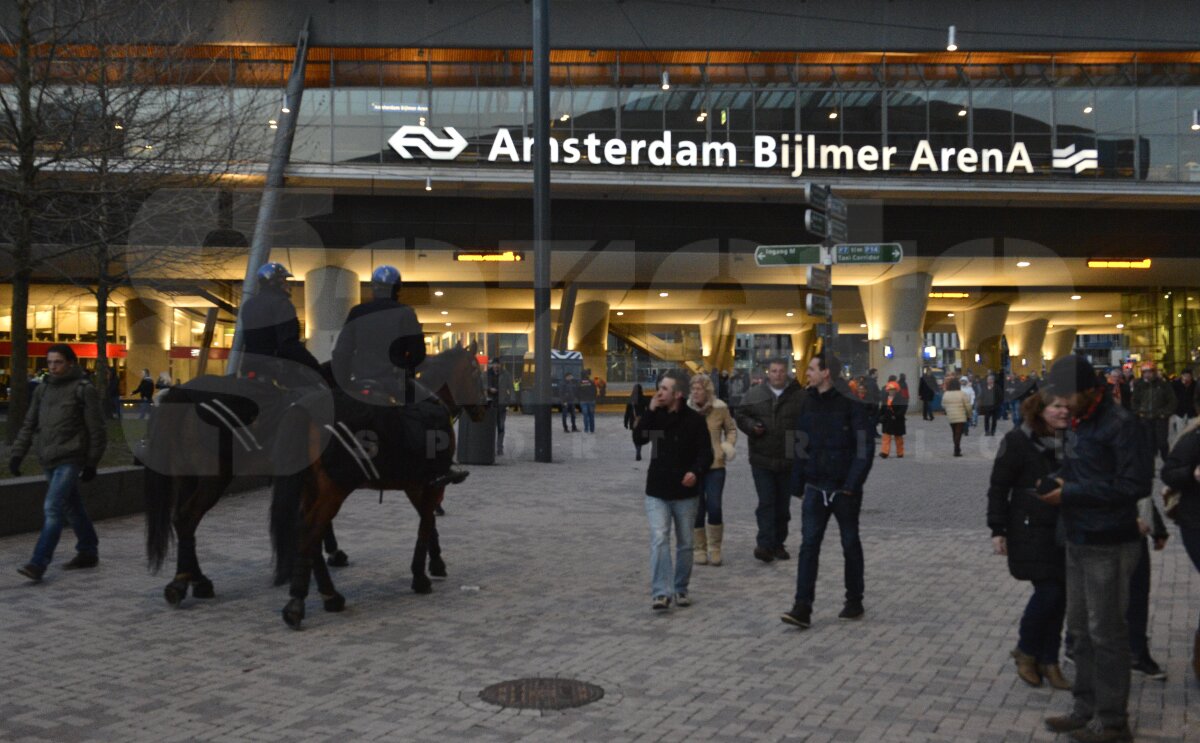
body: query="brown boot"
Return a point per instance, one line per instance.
(699, 547)
(1027, 668)
(715, 534)
(1053, 674)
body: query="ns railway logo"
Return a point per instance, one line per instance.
(795, 154)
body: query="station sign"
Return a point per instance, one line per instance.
(818, 305)
(786, 255)
(868, 253)
(818, 279)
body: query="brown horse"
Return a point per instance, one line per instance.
(304, 505)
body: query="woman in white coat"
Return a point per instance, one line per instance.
(958, 410)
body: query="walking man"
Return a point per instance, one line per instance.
(65, 426)
(500, 390)
(927, 391)
(570, 398)
(587, 401)
(145, 391)
(1105, 473)
(680, 455)
(834, 448)
(766, 414)
(1154, 404)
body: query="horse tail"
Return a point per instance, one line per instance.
(285, 523)
(159, 493)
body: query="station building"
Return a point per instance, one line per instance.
(1043, 180)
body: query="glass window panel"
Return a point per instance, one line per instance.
(641, 108)
(862, 111)
(1039, 147)
(1161, 162)
(683, 110)
(353, 107)
(821, 111)
(1031, 111)
(315, 107)
(459, 107)
(948, 111)
(1114, 110)
(1116, 157)
(504, 108)
(906, 111)
(1156, 112)
(991, 110)
(594, 109)
(312, 144)
(1074, 112)
(357, 144)
(400, 106)
(1189, 157)
(775, 110)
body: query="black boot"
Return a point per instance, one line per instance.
(452, 477)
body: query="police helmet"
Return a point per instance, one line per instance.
(385, 281)
(273, 274)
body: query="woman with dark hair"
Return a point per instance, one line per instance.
(1023, 528)
(634, 409)
(958, 410)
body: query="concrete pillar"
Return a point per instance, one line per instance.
(895, 312)
(802, 348)
(1025, 341)
(1059, 342)
(589, 332)
(329, 293)
(717, 339)
(979, 333)
(149, 322)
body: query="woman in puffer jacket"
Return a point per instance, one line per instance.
(1024, 529)
(722, 429)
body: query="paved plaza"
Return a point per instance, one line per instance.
(549, 577)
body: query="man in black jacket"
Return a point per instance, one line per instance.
(1105, 471)
(927, 391)
(834, 446)
(273, 349)
(680, 455)
(382, 338)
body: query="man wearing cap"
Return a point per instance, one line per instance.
(1154, 404)
(273, 349)
(1105, 471)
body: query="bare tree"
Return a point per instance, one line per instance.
(113, 105)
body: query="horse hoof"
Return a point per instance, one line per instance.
(335, 603)
(422, 585)
(338, 559)
(293, 613)
(203, 589)
(175, 592)
(437, 570)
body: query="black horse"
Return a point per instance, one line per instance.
(381, 448)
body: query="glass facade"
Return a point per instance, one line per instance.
(1136, 115)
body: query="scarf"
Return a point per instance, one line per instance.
(708, 406)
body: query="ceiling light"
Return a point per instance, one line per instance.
(790, 314)
(1076, 297)
(948, 295)
(428, 183)
(962, 112)
(951, 39)
(620, 313)
(449, 324)
(666, 81)
(1022, 264)
(1120, 325)
(445, 312)
(1087, 109)
(833, 114)
(664, 294)
(949, 314)
(1143, 263)
(1166, 296)
(1108, 314)
(489, 256)
(118, 127)
(862, 325)
(564, 117)
(438, 293)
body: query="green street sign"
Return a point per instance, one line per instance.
(868, 253)
(787, 255)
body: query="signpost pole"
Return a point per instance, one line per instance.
(541, 230)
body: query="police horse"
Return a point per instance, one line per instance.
(379, 443)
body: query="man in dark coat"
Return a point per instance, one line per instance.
(834, 446)
(381, 340)
(680, 455)
(273, 349)
(1104, 472)
(926, 391)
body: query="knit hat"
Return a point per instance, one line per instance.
(1071, 374)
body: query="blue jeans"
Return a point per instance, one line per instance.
(774, 506)
(589, 416)
(1098, 578)
(710, 498)
(1040, 633)
(64, 504)
(818, 506)
(661, 513)
(568, 409)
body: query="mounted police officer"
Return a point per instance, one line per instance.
(382, 344)
(273, 349)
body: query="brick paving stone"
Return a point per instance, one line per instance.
(559, 553)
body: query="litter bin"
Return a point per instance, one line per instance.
(476, 442)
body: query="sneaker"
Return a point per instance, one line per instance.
(852, 610)
(660, 603)
(81, 561)
(764, 555)
(682, 599)
(32, 572)
(781, 554)
(1103, 735)
(1066, 723)
(1147, 667)
(800, 616)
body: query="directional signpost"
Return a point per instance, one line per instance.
(867, 253)
(818, 279)
(786, 255)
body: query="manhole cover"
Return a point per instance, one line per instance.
(541, 693)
